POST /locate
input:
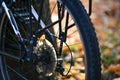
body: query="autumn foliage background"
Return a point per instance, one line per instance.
(106, 19)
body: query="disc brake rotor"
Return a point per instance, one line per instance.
(47, 62)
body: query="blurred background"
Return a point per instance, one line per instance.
(106, 20)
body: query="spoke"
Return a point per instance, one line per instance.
(13, 37)
(66, 36)
(10, 55)
(40, 13)
(66, 25)
(53, 8)
(17, 73)
(22, 28)
(30, 18)
(51, 12)
(71, 26)
(13, 47)
(59, 17)
(72, 33)
(21, 22)
(67, 19)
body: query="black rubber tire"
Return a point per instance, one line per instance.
(85, 27)
(86, 31)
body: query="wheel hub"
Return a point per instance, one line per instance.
(47, 60)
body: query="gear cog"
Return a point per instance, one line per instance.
(46, 53)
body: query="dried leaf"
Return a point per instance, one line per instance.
(115, 69)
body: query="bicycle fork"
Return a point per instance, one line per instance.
(15, 28)
(12, 21)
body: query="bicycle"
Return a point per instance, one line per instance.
(29, 51)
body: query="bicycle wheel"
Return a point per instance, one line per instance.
(76, 45)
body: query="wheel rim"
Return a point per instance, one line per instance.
(69, 49)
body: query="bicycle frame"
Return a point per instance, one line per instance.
(32, 56)
(18, 34)
(90, 7)
(44, 28)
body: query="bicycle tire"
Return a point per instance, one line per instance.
(87, 35)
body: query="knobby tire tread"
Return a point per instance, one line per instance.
(89, 38)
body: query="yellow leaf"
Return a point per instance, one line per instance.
(42, 38)
(107, 52)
